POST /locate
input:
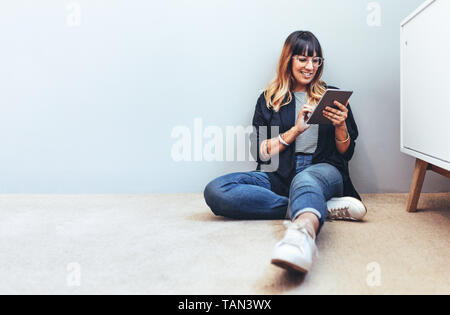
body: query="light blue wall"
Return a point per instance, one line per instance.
(90, 108)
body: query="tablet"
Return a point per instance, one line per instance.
(328, 99)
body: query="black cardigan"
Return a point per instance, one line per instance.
(326, 152)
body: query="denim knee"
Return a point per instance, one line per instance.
(211, 193)
(308, 197)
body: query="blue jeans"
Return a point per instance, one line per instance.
(248, 195)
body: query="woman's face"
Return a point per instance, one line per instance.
(303, 69)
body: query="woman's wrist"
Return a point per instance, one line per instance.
(341, 134)
(343, 141)
(282, 141)
(296, 129)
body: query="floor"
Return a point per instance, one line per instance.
(173, 244)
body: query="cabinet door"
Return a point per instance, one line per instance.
(425, 52)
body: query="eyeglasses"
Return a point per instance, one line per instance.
(303, 60)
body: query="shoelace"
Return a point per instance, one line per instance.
(339, 213)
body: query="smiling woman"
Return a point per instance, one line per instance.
(300, 69)
(312, 180)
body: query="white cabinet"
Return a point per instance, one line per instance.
(425, 83)
(425, 92)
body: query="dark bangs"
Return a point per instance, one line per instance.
(305, 43)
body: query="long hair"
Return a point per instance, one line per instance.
(278, 92)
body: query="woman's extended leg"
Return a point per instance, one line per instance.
(245, 195)
(311, 188)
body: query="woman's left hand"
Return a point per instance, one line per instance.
(336, 116)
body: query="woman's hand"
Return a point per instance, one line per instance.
(303, 115)
(336, 116)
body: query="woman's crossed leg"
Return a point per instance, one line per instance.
(245, 195)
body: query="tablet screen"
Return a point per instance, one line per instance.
(328, 99)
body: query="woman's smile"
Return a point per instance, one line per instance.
(304, 76)
(307, 74)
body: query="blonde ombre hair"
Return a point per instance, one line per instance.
(278, 92)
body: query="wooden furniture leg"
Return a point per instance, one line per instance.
(439, 170)
(416, 185)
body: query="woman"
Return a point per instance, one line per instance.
(312, 174)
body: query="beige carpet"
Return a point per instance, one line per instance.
(173, 244)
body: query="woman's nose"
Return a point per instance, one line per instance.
(309, 65)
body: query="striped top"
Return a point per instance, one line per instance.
(307, 141)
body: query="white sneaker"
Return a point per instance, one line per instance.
(346, 208)
(296, 250)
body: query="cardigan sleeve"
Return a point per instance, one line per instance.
(260, 131)
(353, 132)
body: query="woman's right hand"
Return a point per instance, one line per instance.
(303, 115)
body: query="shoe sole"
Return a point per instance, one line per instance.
(288, 266)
